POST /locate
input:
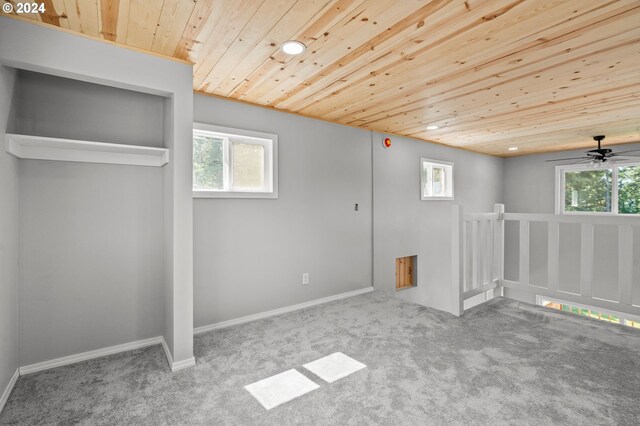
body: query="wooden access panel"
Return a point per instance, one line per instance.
(405, 272)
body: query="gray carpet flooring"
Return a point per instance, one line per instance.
(504, 362)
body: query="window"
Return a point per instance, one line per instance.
(231, 163)
(590, 312)
(610, 189)
(436, 182)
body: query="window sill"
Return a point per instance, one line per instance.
(599, 214)
(226, 194)
(436, 198)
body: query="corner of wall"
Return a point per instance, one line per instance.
(9, 242)
(406, 226)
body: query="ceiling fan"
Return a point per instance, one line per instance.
(600, 155)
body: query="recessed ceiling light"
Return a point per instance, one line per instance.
(293, 47)
(432, 127)
(513, 148)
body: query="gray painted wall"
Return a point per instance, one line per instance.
(91, 257)
(249, 254)
(63, 108)
(91, 234)
(9, 241)
(530, 188)
(406, 226)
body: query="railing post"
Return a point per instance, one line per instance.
(625, 264)
(553, 255)
(476, 251)
(457, 265)
(524, 252)
(489, 249)
(586, 259)
(498, 244)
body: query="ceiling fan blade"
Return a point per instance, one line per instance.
(624, 156)
(567, 159)
(624, 152)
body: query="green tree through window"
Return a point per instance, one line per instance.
(588, 191)
(629, 189)
(208, 162)
(592, 190)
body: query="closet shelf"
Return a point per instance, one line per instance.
(42, 148)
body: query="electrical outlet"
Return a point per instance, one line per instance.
(305, 278)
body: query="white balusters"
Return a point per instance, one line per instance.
(524, 252)
(625, 229)
(586, 259)
(477, 254)
(553, 255)
(625, 264)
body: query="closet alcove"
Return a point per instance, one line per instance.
(91, 214)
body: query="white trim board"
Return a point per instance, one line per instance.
(180, 365)
(9, 388)
(57, 149)
(480, 298)
(84, 356)
(279, 311)
(111, 350)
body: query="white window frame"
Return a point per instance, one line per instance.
(267, 140)
(560, 181)
(437, 163)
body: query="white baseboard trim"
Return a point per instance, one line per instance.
(9, 388)
(279, 311)
(180, 365)
(98, 353)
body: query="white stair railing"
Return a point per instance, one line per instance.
(477, 252)
(478, 244)
(587, 223)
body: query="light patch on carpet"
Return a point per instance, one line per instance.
(334, 367)
(281, 388)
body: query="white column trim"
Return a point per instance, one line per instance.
(9, 388)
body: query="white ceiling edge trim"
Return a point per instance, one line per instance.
(56, 149)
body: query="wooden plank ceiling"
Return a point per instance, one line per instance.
(542, 75)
